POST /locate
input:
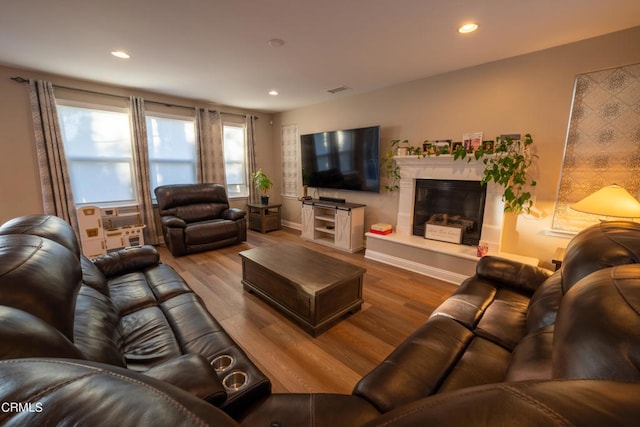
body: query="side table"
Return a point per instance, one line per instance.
(558, 257)
(264, 218)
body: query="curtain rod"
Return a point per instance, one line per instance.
(19, 79)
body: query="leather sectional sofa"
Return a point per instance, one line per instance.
(514, 345)
(124, 309)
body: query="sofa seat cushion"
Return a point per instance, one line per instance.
(210, 231)
(131, 292)
(467, 304)
(417, 367)
(165, 283)
(504, 321)
(147, 339)
(482, 362)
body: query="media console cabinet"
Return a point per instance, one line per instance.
(335, 224)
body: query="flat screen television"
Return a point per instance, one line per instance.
(342, 160)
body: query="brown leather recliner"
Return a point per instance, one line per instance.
(197, 217)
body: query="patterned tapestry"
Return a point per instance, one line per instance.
(289, 141)
(603, 141)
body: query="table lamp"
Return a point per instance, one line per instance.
(610, 201)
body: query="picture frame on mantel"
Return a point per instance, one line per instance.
(402, 151)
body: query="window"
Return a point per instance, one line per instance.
(97, 144)
(172, 151)
(234, 160)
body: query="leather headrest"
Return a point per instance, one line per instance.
(41, 277)
(600, 246)
(48, 226)
(172, 196)
(597, 331)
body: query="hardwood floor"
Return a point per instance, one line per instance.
(396, 302)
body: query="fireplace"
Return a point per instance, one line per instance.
(444, 260)
(451, 203)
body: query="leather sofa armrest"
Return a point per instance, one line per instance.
(191, 372)
(74, 392)
(512, 274)
(127, 260)
(173, 221)
(233, 214)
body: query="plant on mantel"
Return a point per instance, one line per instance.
(391, 168)
(507, 164)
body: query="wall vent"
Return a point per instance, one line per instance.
(338, 89)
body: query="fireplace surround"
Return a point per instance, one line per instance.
(446, 261)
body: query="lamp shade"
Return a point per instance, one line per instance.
(612, 200)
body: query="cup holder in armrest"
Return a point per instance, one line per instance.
(235, 380)
(223, 362)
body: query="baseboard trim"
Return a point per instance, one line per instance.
(436, 273)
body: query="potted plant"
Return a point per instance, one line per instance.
(263, 184)
(507, 164)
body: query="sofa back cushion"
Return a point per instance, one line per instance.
(47, 226)
(41, 277)
(200, 211)
(97, 327)
(603, 245)
(192, 202)
(25, 335)
(597, 331)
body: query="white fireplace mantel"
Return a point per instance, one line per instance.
(445, 167)
(446, 261)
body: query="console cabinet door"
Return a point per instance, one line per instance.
(343, 229)
(307, 222)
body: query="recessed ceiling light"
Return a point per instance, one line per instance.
(275, 42)
(273, 92)
(468, 28)
(120, 54)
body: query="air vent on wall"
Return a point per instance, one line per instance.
(338, 89)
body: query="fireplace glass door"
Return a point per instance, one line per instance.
(452, 203)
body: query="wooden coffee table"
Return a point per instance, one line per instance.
(314, 290)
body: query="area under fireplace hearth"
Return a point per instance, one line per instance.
(446, 261)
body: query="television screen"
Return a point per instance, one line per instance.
(343, 159)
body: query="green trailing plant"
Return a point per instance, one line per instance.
(391, 168)
(507, 164)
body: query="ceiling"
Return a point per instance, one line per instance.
(218, 51)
